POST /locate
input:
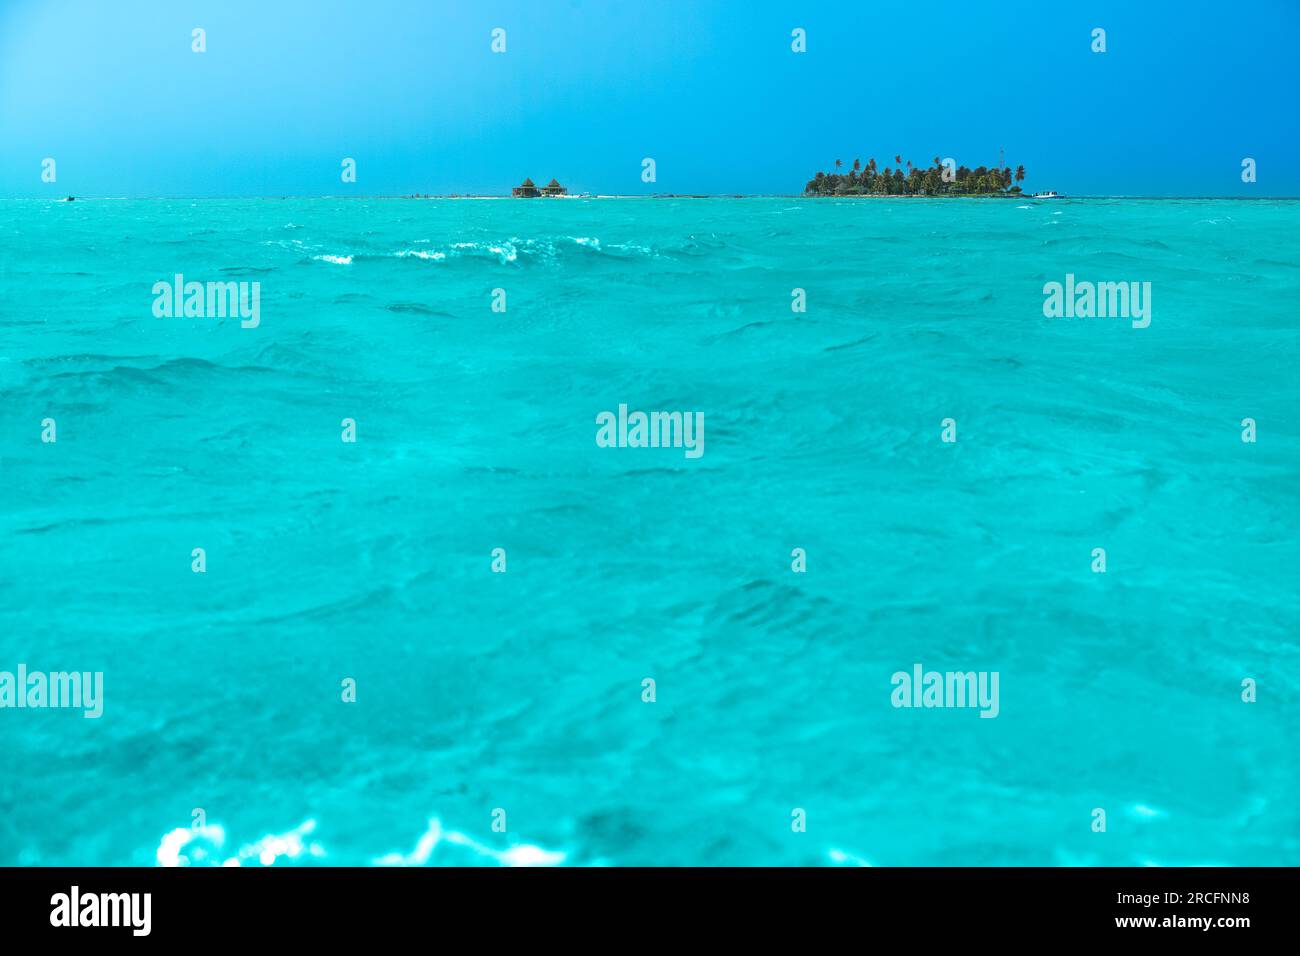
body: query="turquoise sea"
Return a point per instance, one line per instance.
(522, 691)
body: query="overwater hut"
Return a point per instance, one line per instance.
(525, 190)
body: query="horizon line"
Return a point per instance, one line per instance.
(571, 196)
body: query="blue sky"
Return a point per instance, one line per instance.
(587, 88)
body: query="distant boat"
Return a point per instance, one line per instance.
(1050, 194)
(71, 199)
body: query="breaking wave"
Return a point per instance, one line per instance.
(206, 845)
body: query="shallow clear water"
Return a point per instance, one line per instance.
(475, 430)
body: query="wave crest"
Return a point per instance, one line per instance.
(522, 854)
(202, 846)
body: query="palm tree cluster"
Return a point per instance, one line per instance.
(904, 179)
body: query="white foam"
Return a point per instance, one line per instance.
(841, 858)
(506, 251)
(170, 849)
(423, 849)
(523, 854)
(196, 845)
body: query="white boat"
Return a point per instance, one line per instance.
(1050, 194)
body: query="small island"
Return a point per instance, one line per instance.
(915, 181)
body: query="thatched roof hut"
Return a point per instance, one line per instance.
(525, 190)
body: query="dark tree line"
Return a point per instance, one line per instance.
(904, 179)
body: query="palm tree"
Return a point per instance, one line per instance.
(898, 159)
(1020, 173)
(839, 163)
